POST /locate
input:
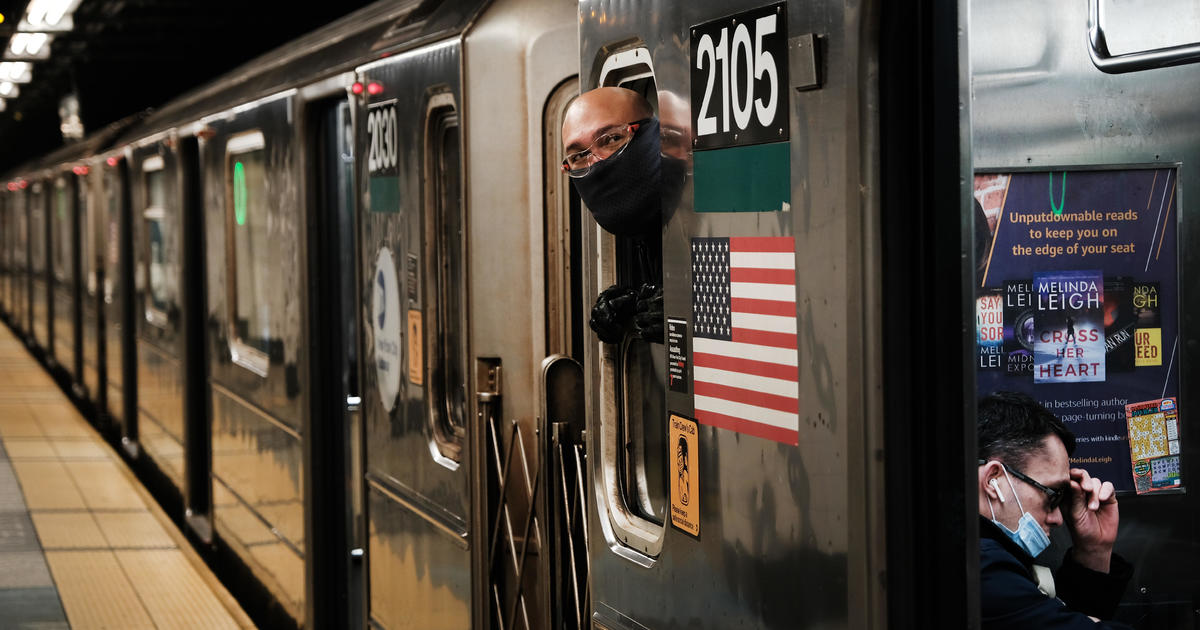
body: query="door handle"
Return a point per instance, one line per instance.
(1135, 61)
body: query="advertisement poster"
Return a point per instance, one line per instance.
(1080, 269)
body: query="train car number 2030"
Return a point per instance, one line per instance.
(382, 149)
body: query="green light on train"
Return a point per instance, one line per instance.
(239, 193)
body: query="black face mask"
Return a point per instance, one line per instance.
(624, 192)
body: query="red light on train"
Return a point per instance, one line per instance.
(357, 88)
(112, 160)
(24, 184)
(12, 186)
(374, 88)
(80, 170)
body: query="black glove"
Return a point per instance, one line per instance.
(613, 313)
(648, 318)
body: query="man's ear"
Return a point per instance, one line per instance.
(989, 480)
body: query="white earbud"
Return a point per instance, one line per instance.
(996, 487)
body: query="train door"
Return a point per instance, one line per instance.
(116, 256)
(333, 453)
(564, 455)
(256, 281)
(39, 247)
(525, 318)
(91, 271)
(415, 343)
(6, 252)
(62, 273)
(731, 470)
(1088, 249)
(20, 282)
(157, 254)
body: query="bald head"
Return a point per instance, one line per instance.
(600, 109)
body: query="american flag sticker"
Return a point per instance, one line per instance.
(744, 350)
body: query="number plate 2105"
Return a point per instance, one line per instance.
(740, 78)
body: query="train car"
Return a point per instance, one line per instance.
(335, 303)
(226, 227)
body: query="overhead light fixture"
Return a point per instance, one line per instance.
(49, 16)
(8, 89)
(29, 46)
(16, 71)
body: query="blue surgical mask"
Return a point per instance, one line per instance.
(1029, 535)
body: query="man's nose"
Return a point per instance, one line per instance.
(1055, 517)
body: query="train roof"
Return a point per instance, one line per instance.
(95, 143)
(380, 29)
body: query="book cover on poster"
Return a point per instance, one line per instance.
(1148, 346)
(989, 331)
(1018, 327)
(1119, 321)
(1069, 325)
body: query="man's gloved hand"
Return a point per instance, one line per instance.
(613, 312)
(648, 319)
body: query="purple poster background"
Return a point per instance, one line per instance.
(1120, 223)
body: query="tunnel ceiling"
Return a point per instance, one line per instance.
(124, 56)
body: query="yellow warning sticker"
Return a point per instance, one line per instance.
(416, 356)
(685, 475)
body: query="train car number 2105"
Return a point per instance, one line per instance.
(739, 78)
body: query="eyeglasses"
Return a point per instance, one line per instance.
(1054, 496)
(608, 143)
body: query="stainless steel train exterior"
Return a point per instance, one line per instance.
(334, 305)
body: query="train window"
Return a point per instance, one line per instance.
(37, 221)
(111, 237)
(563, 267)
(445, 280)
(249, 262)
(62, 230)
(632, 413)
(155, 269)
(88, 241)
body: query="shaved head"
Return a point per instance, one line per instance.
(597, 110)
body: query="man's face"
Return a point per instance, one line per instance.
(594, 112)
(1049, 467)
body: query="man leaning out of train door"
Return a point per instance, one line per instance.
(1026, 486)
(612, 147)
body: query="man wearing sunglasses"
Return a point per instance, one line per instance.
(1026, 487)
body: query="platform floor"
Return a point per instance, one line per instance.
(82, 544)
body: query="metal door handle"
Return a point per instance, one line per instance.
(1136, 61)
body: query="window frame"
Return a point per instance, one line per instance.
(150, 165)
(447, 439)
(636, 537)
(60, 262)
(241, 353)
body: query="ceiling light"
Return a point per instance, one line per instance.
(29, 46)
(49, 16)
(16, 71)
(8, 89)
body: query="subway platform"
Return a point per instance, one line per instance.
(82, 544)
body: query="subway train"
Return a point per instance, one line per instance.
(336, 304)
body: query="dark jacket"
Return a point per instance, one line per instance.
(1010, 599)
